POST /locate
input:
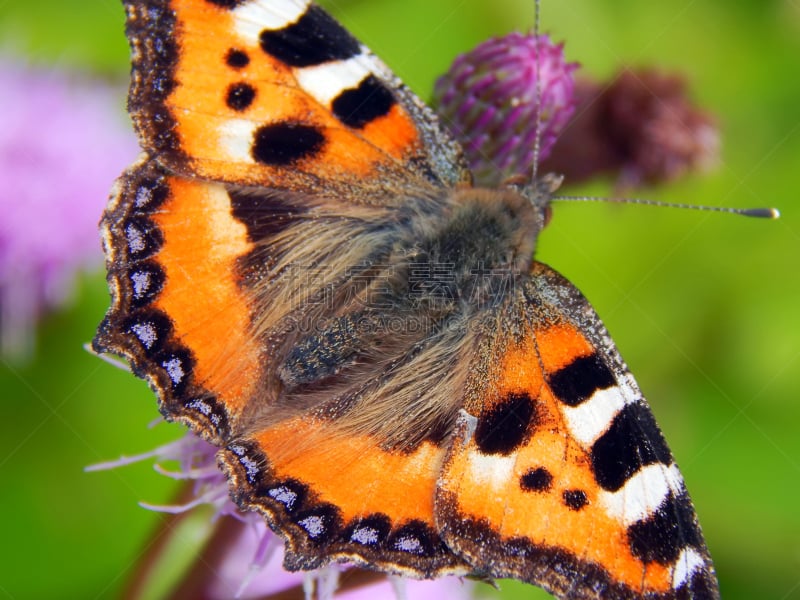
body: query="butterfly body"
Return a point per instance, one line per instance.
(303, 272)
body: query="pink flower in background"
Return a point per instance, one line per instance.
(641, 126)
(488, 100)
(63, 141)
(242, 558)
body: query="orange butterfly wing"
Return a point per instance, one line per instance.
(275, 94)
(172, 248)
(558, 474)
(343, 497)
(181, 253)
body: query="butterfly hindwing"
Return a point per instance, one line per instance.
(343, 497)
(276, 93)
(558, 474)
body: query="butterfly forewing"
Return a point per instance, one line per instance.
(276, 93)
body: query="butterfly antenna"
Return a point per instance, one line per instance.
(538, 93)
(762, 213)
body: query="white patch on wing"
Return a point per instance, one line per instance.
(687, 563)
(491, 471)
(592, 417)
(136, 242)
(314, 525)
(408, 543)
(250, 466)
(283, 495)
(364, 535)
(236, 139)
(251, 18)
(199, 405)
(628, 388)
(642, 493)
(141, 281)
(144, 195)
(146, 332)
(326, 81)
(174, 368)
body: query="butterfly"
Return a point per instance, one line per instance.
(302, 270)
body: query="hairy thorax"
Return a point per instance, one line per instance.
(406, 310)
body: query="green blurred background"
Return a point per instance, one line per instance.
(703, 307)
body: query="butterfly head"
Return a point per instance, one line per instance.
(507, 220)
(538, 193)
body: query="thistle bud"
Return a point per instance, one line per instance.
(641, 127)
(488, 100)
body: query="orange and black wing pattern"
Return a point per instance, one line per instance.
(177, 313)
(344, 497)
(263, 154)
(276, 94)
(558, 474)
(256, 141)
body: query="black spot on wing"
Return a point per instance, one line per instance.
(283, 144)
(315, 38)
(536, 480)
(632, 441)
(359, 106)
(230, 4)
(663, 535)
(237, 59)
(581, 378)
(505, 426)
(575, 499)
(240, 96)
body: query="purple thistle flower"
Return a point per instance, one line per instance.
(254, 548)
(61, 142)
(641, 126)
(488, 100)
(251, 565)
